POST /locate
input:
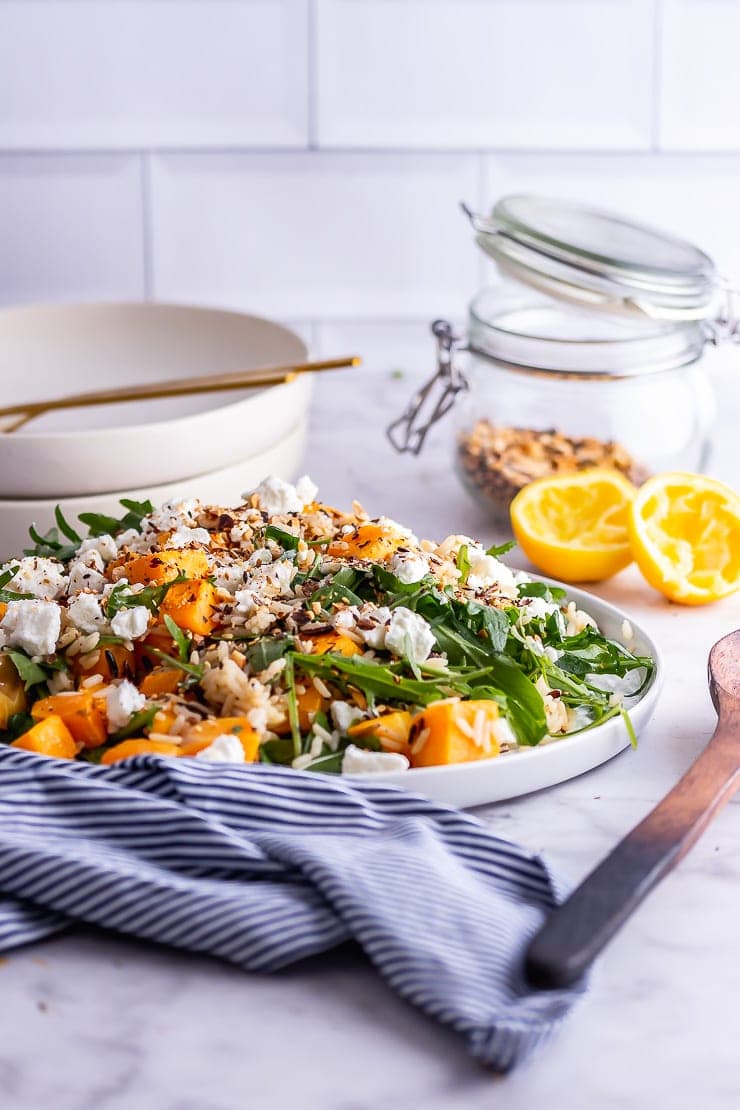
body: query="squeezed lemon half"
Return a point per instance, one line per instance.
(685, 535)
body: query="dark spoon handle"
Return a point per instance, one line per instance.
(580, 928)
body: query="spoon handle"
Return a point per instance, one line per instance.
(580, 928)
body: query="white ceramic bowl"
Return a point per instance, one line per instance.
(51, 351)
(219, 487)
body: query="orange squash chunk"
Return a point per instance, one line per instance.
(113, 661)
(138, 746)
(310, 702)
(163, 719)
(81, 712)
(192, 606)
(163, 566)
(366, 541)
(391, 729)
(202, 735)
(333, 641)
(162, 680)
(454, 731)
(48, 737)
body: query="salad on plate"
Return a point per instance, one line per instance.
(289, 632)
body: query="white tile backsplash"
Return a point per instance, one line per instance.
(70, 228)
(305, 158)
(133, 73)
(485, 73)
(315, 234)
(700, 76)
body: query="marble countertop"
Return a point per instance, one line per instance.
(92, 1022)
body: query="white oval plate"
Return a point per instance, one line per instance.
(520, 772)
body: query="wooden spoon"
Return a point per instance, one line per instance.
(580, 928)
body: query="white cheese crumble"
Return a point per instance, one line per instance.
(408, 568)
(183, 537)
(131, 624)
(44, 578)
(85, 573)
(380, 616)
(278, 497)
(343, 715)
(487, 571)
(105, 546)
(85, 613)
(122, 701)
(32, 625)
(539, 609)
(173, 515)
(226, 748)
(359, 761)
(409, 635)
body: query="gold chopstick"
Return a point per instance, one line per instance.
(180, 387)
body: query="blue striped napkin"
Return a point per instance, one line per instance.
(264, 866)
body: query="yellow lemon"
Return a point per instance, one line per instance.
(685, 533)
(575, 526)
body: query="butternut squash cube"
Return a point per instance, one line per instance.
(391, 729)
(81, 712)
(163, 566)
(192, 606)
(138, 746)
(202, 735)
(366, 541)
(454, 731)
(48, 737)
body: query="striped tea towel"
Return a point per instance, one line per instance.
(265, 865)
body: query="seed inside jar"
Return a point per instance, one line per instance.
(499, 461)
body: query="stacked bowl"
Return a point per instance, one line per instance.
(212, 446)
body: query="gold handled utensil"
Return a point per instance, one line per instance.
(179, 387)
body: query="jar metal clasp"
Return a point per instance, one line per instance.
(435, 398)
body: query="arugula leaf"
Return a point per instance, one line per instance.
(49, 546)
(375, 679)
(122, 597)
(339, 591)
(18, 723)
(331, 763)
(182, 642)
(462, 562)
(277, 751)
(497, 550)
(195, 670)
(629, 726)
(295, 729)
(541, 589)
(288, 540)
(65, 528)
(525, 707)
(138, 722)
(393, 590)
(11, 595)
(267, 650)
(33, 674)
(99, 524)
(7, 576)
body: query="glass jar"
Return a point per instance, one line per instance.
(588, 351)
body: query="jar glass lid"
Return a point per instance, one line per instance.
(599, 259)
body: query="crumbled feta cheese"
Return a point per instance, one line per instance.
(246, 601)
(130, 624)
(106, 547)
(85, 573)
(32, 625)
(306, 490)
(408, 568)
(345, 620)
(228, 576)
(538, 609)
(182, 537)
(257, 716)
(487, 571)
(278, 497)
(85, 613)
(173, 515)
(359, 761)
(226, 748)
(409, 635)
(44, 578)
(259, 557)
(122, 701)
(374, 636)
(343, 715)
(132, 540)
(389, 525)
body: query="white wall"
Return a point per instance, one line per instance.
(304, 158)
